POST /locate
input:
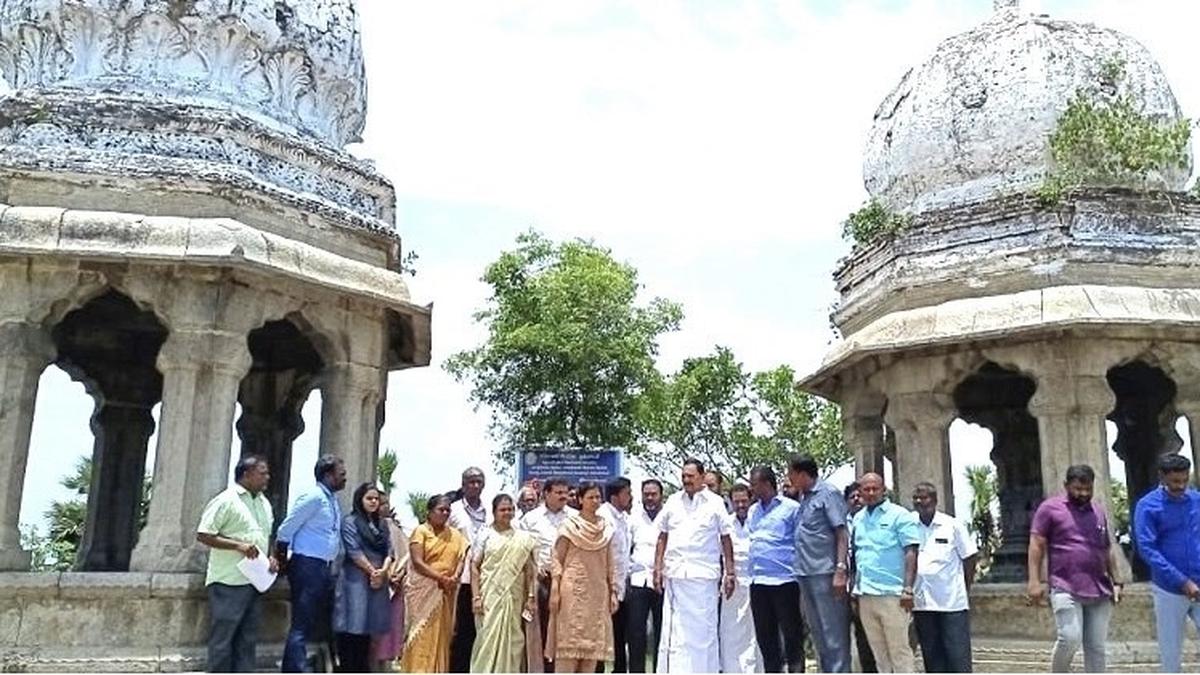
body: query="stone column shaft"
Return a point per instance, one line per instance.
(25, 351)
(863, 435)
(114, 497)
(350, 398)
(1071, 410)
(201, 372)
(922, 425)
(271, 422)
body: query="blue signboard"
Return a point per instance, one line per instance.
(573, 465)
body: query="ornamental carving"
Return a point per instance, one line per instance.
(297, 62)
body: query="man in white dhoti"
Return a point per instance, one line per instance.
(693, 541)
(739, 646)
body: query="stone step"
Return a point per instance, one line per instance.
(1031, 656)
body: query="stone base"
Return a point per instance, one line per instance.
(1009, 636)
(157, 622)
(125, 660)
(1017, 656)
(117, 622)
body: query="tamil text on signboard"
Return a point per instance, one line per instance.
(539, 464)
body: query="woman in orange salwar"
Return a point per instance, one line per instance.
(579, 631)
(438, 552)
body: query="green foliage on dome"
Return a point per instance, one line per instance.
(1107, 141)
(874, 222)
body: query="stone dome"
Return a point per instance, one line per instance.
(974, 121)
(292, 64)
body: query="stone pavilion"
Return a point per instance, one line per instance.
(180, 224)
(1039, 322)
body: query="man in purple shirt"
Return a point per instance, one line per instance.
(1084, 583)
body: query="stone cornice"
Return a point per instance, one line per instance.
(1014, 243)
(1129, 312)
(111, 236)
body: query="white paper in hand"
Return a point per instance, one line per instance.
(258, 571)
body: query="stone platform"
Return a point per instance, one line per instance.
(117, 622)
(157, 622)
(1009, 636)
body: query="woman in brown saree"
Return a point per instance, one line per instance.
(580, 632)
(437, 554)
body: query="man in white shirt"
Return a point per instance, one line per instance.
(739, 645)
(527, 499)
(470, 516)
(616, 512)
(693, 543)
(945, 569)
(643, 601)
(543, 522)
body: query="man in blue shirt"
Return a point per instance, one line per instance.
(1166, 526)
(774, 592)
(312, 529)
(886, 538)
(822, 563)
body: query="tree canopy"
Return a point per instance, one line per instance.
(570, 360)
(569, 351)
(58, 548)
(732, 420)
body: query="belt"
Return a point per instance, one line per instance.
(327, 563)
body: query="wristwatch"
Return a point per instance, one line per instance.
(907, 591)
(841, 566)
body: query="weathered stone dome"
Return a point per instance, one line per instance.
(291, 63)
(974, 121)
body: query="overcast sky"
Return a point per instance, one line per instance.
(714, 145)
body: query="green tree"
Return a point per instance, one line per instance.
(731, 420)
(984, 497)
(65, 520)
(1119, 495)
(418, 503)
(386, 468)
(569, 350)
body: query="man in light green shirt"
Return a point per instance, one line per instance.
(236, 524)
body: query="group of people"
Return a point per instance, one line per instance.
(568, 578)
(1084, 580)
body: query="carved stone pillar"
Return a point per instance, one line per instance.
(862, 431)
(271, 421)
(350, 397)
(201, 371)
(1071, 405)
(25, 351)
(864, 438)
(1019, 485)
(122, 431)
(922, 425)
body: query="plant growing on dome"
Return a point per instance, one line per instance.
(1105, 141)
(874, 222)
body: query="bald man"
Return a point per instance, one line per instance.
(886, 538)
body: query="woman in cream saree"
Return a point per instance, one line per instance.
(503, 573)
(437, 555)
